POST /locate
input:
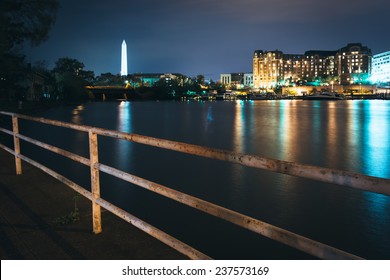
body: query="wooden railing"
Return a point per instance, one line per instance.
(320, 250)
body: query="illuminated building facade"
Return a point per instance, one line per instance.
(237, 80)
(350, 64)
(354, 64)
(319, 64)
(150, 79)
(226, 79)
(267, 68)
(381, 68)
(248, 80)
(293, 67)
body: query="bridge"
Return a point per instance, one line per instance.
(299, 242)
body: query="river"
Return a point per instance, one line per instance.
(350, 135)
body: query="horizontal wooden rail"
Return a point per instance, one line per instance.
(343, 178)
(151, 230)
(323, 174)
(328, 175)
(56, 150)
(278, 234)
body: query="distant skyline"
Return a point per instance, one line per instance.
(206, 37)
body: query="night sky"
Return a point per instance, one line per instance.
(207, 37)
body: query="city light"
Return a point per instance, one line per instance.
(351, 64)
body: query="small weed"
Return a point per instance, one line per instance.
(72, 217)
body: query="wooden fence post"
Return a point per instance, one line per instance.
(18, 161)
(95, 181)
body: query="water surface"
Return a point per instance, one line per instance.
(348, 135)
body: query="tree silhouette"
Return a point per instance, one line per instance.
(71, 78)
(21, 21)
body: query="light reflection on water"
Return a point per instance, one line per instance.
(369, 133)
(76, 114)
(332, 134)
(348, 135)
(239, 127)
(123, 148)
(378, 139)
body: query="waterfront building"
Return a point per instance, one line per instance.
(237, 80)
(226, 79)
(267, 68)
(150, 79)
(248, 80)
(350, 64)
(319, 64)
(37, 86)
(293, 68)
(354, 64)
(381, 68)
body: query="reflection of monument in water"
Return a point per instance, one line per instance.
(124, 59)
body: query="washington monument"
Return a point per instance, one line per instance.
(124, 59)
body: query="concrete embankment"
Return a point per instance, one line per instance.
(33, 207)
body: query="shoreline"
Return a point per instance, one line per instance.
(34, 107)
(30, 107)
